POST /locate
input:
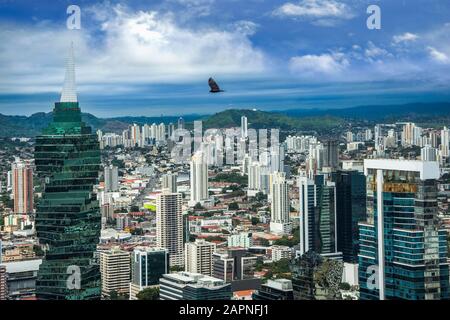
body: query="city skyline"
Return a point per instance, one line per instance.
(243, 205)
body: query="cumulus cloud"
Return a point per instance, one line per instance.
(325, 64)
(320, 12)
(438, 56)
(136, 47)
(246, 27)
(405, 38)
(373, 52)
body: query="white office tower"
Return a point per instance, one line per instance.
(169, 226)
(115, 271)
(198, 257)
(244, 127)
(280, 206)
(169, 182)
(428, 154)
(199, 179)
(111, 178)
(445, 142)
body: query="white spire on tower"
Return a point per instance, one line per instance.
(69, 92)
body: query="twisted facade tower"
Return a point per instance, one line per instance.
(68, 220)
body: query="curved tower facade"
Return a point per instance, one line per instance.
(68, 219)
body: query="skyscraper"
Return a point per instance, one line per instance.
(169, 226)
(22, 182)
(199, 178)
(68, 220)
(331, 154)
(350, 210)
(280, 205)
(111, 178)
(317, 215)
(445, 142)
(198, 257)
(402, 250)
(244, 127)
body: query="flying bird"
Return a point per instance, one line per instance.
(214, 86)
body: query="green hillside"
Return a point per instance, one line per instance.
(261, 119)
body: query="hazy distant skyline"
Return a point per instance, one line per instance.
(139, 58)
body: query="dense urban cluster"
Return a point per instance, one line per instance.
(86, 215)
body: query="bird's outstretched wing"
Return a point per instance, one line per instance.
(214, 86)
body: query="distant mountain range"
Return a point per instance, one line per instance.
(300, 119)
(381, 112)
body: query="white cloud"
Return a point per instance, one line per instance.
(323, 12)
(373, 52)
(405, 37)
(246, 27)
(438, 56)
(328, 64)
(138, 47)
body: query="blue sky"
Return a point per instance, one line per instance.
(154, 57)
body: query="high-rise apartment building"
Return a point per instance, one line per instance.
(169, 182)
(428, 153)
(169, 226)
(199, 178)
(198, 257)
(402, 247)
(445, 142)
(115, 271)
(22, 185)
(148, 265)
(280, 205)
(244, 127)
(68, 219)
(111, 178)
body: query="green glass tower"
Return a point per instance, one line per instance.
(68, 219)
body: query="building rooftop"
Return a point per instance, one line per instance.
(427, 169)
